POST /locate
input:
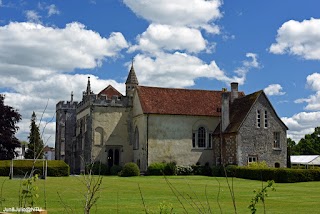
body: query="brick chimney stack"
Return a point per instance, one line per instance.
(225, 120)
(234, 91)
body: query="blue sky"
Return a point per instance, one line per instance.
(49, 48)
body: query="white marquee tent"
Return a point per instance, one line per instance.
(306, 160)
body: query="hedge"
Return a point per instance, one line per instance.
(55, 168)
(279, 175)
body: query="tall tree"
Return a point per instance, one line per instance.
(309, 145)
(35, 146)
(9, 117)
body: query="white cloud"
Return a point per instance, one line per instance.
(274, 89)
(32, 16)
(247, 65)
(33, 71)
(35, 95)
(313, 101)
(299, 38)
(53, 10)
(178, 70)
(166, 37)
(301, 124)
(194, 13)
(25, 52)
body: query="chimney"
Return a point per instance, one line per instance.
(225, 120)
(234, 91)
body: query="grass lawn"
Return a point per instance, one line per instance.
(122, 195)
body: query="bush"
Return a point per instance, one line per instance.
(184, 170)
(202, 170)
(115, 169)
(130, 169)
(99, 168)
(156, 169)
(170, 168)
(55, 168)
(279, 175)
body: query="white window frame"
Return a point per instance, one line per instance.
(258, 118)
(276, 140)
(252, 159)
(208, 138)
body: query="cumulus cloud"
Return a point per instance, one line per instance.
(313, 101)
(273, 90)
(178, 70)
(298, 38)
(301, 124)
(247, 65)
(52, 10)
(33, 71)
(35, 95)
(33, 16)
(196, 13)
(166, 37)
(24, 49)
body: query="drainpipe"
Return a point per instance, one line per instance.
(147, 140)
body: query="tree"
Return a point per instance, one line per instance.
(309, 145)
(35, 146)
(9, 117)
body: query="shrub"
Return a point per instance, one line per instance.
(202, 170)
(130, 169)
(259, 165)
(184, 170)
(170, 168)
(156, 169)
(115, 169)
(55, 168)
(99, 168)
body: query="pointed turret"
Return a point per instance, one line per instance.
(88, 87)
(132, 81)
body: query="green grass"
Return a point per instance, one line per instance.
(121, 195)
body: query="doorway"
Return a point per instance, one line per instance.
(113, 157)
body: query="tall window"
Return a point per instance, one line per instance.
(276, 140)
(258, 119)
(136, 139)
(201, 137)
(266, 119)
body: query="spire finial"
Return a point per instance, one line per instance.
(71, 96)
(88, 87)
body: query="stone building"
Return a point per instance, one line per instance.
(153, 124)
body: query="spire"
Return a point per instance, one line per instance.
(71, 96)
(88, 87)
(132, 78)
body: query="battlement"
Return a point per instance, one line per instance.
(66, 105)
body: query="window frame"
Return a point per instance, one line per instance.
(266, 119)
(258, 118)
(255, 157)
(202, 138)
(276, 140)
(136, 139)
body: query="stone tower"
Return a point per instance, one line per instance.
(132, 82)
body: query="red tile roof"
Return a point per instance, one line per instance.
(110, 91)
(156, 100)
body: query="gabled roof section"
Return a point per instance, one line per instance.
(132, 77)
(110, 91)
(240, 108)
(173, 101)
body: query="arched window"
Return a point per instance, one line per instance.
(202, 137)
(136, 139)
